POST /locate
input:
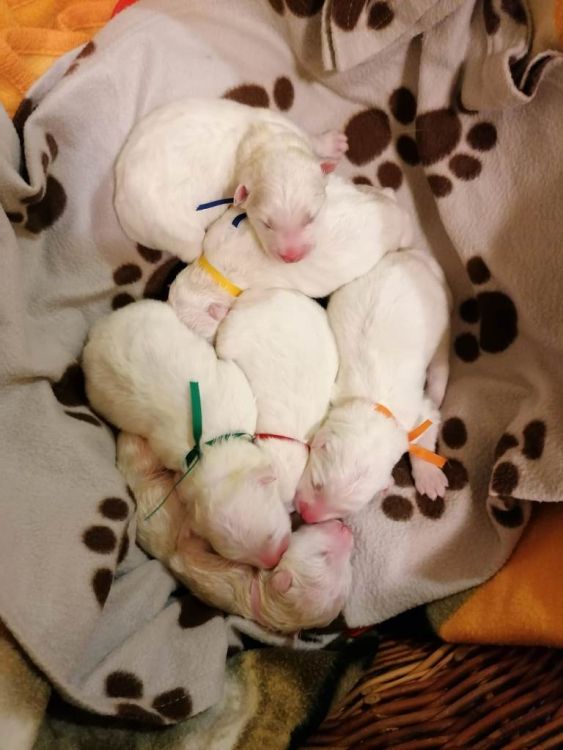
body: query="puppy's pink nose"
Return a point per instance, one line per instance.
(294, 254)
(309, 513)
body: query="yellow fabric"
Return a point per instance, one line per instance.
(33, 33)
(523, 602)
(218, 277)
(547, 22)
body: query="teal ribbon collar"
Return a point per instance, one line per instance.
(194, 455)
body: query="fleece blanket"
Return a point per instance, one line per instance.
(441, 102)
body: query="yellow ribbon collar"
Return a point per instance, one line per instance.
(218, 277)
(416, 450)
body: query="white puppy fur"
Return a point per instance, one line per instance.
(354, 229)
(307, 588)
(195, 151)
(392, 332)
(282, 342)
(138, 363)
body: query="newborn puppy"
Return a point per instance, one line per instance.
(392, 333)
(197, 151)
(354, 229)
(282, 342)
(307, 589)
(138, 363)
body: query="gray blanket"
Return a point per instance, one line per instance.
(440, 102)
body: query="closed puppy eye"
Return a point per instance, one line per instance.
(317, 486)
(266, 224)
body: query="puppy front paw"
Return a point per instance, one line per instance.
(331, 145)
(429, 480)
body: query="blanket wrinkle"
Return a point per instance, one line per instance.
(479, 176)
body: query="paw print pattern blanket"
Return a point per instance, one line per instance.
(444, 102)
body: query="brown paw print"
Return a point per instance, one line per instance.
(398, 507)
(438, 135)
(425, 139)
(173, 705)
(370, 133)
(255, 95)
(158, 282)
(507, 509)
(86, 51)
(194, 612)
(42, 209)
(69, 391)
(493, 311)
(347, 13)
(102, 539)
(299, 8)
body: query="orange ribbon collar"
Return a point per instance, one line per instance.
(416, 450)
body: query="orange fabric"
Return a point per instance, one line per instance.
(34, 33)
(547, 25)
(523, 602)
(558, 16)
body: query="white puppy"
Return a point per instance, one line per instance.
(282, 342)
(194, 151)
(138, 363)
(354, 229)
(392, 332)
(307, 589)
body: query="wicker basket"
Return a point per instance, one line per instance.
(421, 696)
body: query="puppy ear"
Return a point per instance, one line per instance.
(265, 479)
(281, 581)
(262, 476)
(217, 311)
(241, 194)
(319, 443)
(327, 167)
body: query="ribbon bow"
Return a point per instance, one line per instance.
(194, 455)
(416, 450)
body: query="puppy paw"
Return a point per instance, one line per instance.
(217, 311)
(429, 480)
(331, 145)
